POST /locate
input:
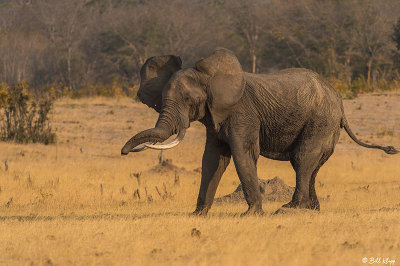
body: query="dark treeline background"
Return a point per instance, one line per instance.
(96, 47)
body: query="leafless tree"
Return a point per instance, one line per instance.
(249, 20)
(92, 43)
(65, 25)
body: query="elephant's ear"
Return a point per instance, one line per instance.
(154, 74)
(226, 83)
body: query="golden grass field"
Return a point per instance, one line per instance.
(74, 202)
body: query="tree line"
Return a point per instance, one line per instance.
(96, 47)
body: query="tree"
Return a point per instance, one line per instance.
(396, 34)
(138, 31)
(65, 24)
(249, 21)
(371, 41)
(396, 39)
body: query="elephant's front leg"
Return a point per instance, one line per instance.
(216, 158)
(245, 153)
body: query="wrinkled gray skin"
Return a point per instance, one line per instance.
(292, 115)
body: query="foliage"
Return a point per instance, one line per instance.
(116, 89)
(360, 85)
(60, 45)
(23, 118)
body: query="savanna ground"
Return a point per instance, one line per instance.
(75, 202)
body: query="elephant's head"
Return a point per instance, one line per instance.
(181, 96)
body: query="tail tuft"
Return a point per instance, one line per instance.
(390, 150)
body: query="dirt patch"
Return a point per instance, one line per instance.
(271, 190)
(167, 168)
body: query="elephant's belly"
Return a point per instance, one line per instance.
(277, 147)
(280, 156)
(279, 137)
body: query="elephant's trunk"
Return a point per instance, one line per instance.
(168, 123)
(157, 134)
(167, 146)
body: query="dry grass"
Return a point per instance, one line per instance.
(74, 202)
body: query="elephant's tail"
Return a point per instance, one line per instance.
(387, 149)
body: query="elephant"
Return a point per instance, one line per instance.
(291, 115)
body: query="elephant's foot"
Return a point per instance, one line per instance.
(253, 210)
(311, 204)
(201, 211)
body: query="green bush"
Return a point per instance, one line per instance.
(360, 85)
(24, 118)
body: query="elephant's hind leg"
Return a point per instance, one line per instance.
(313, 193)
(306, 161)
(306, 167)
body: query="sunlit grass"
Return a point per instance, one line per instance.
(74, 202)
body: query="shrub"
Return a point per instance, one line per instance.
(114, 90)
(360, 85)
(24, 118)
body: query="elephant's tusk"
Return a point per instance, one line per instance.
(170, 145)
(141, 147)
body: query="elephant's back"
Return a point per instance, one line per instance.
(298, 86)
